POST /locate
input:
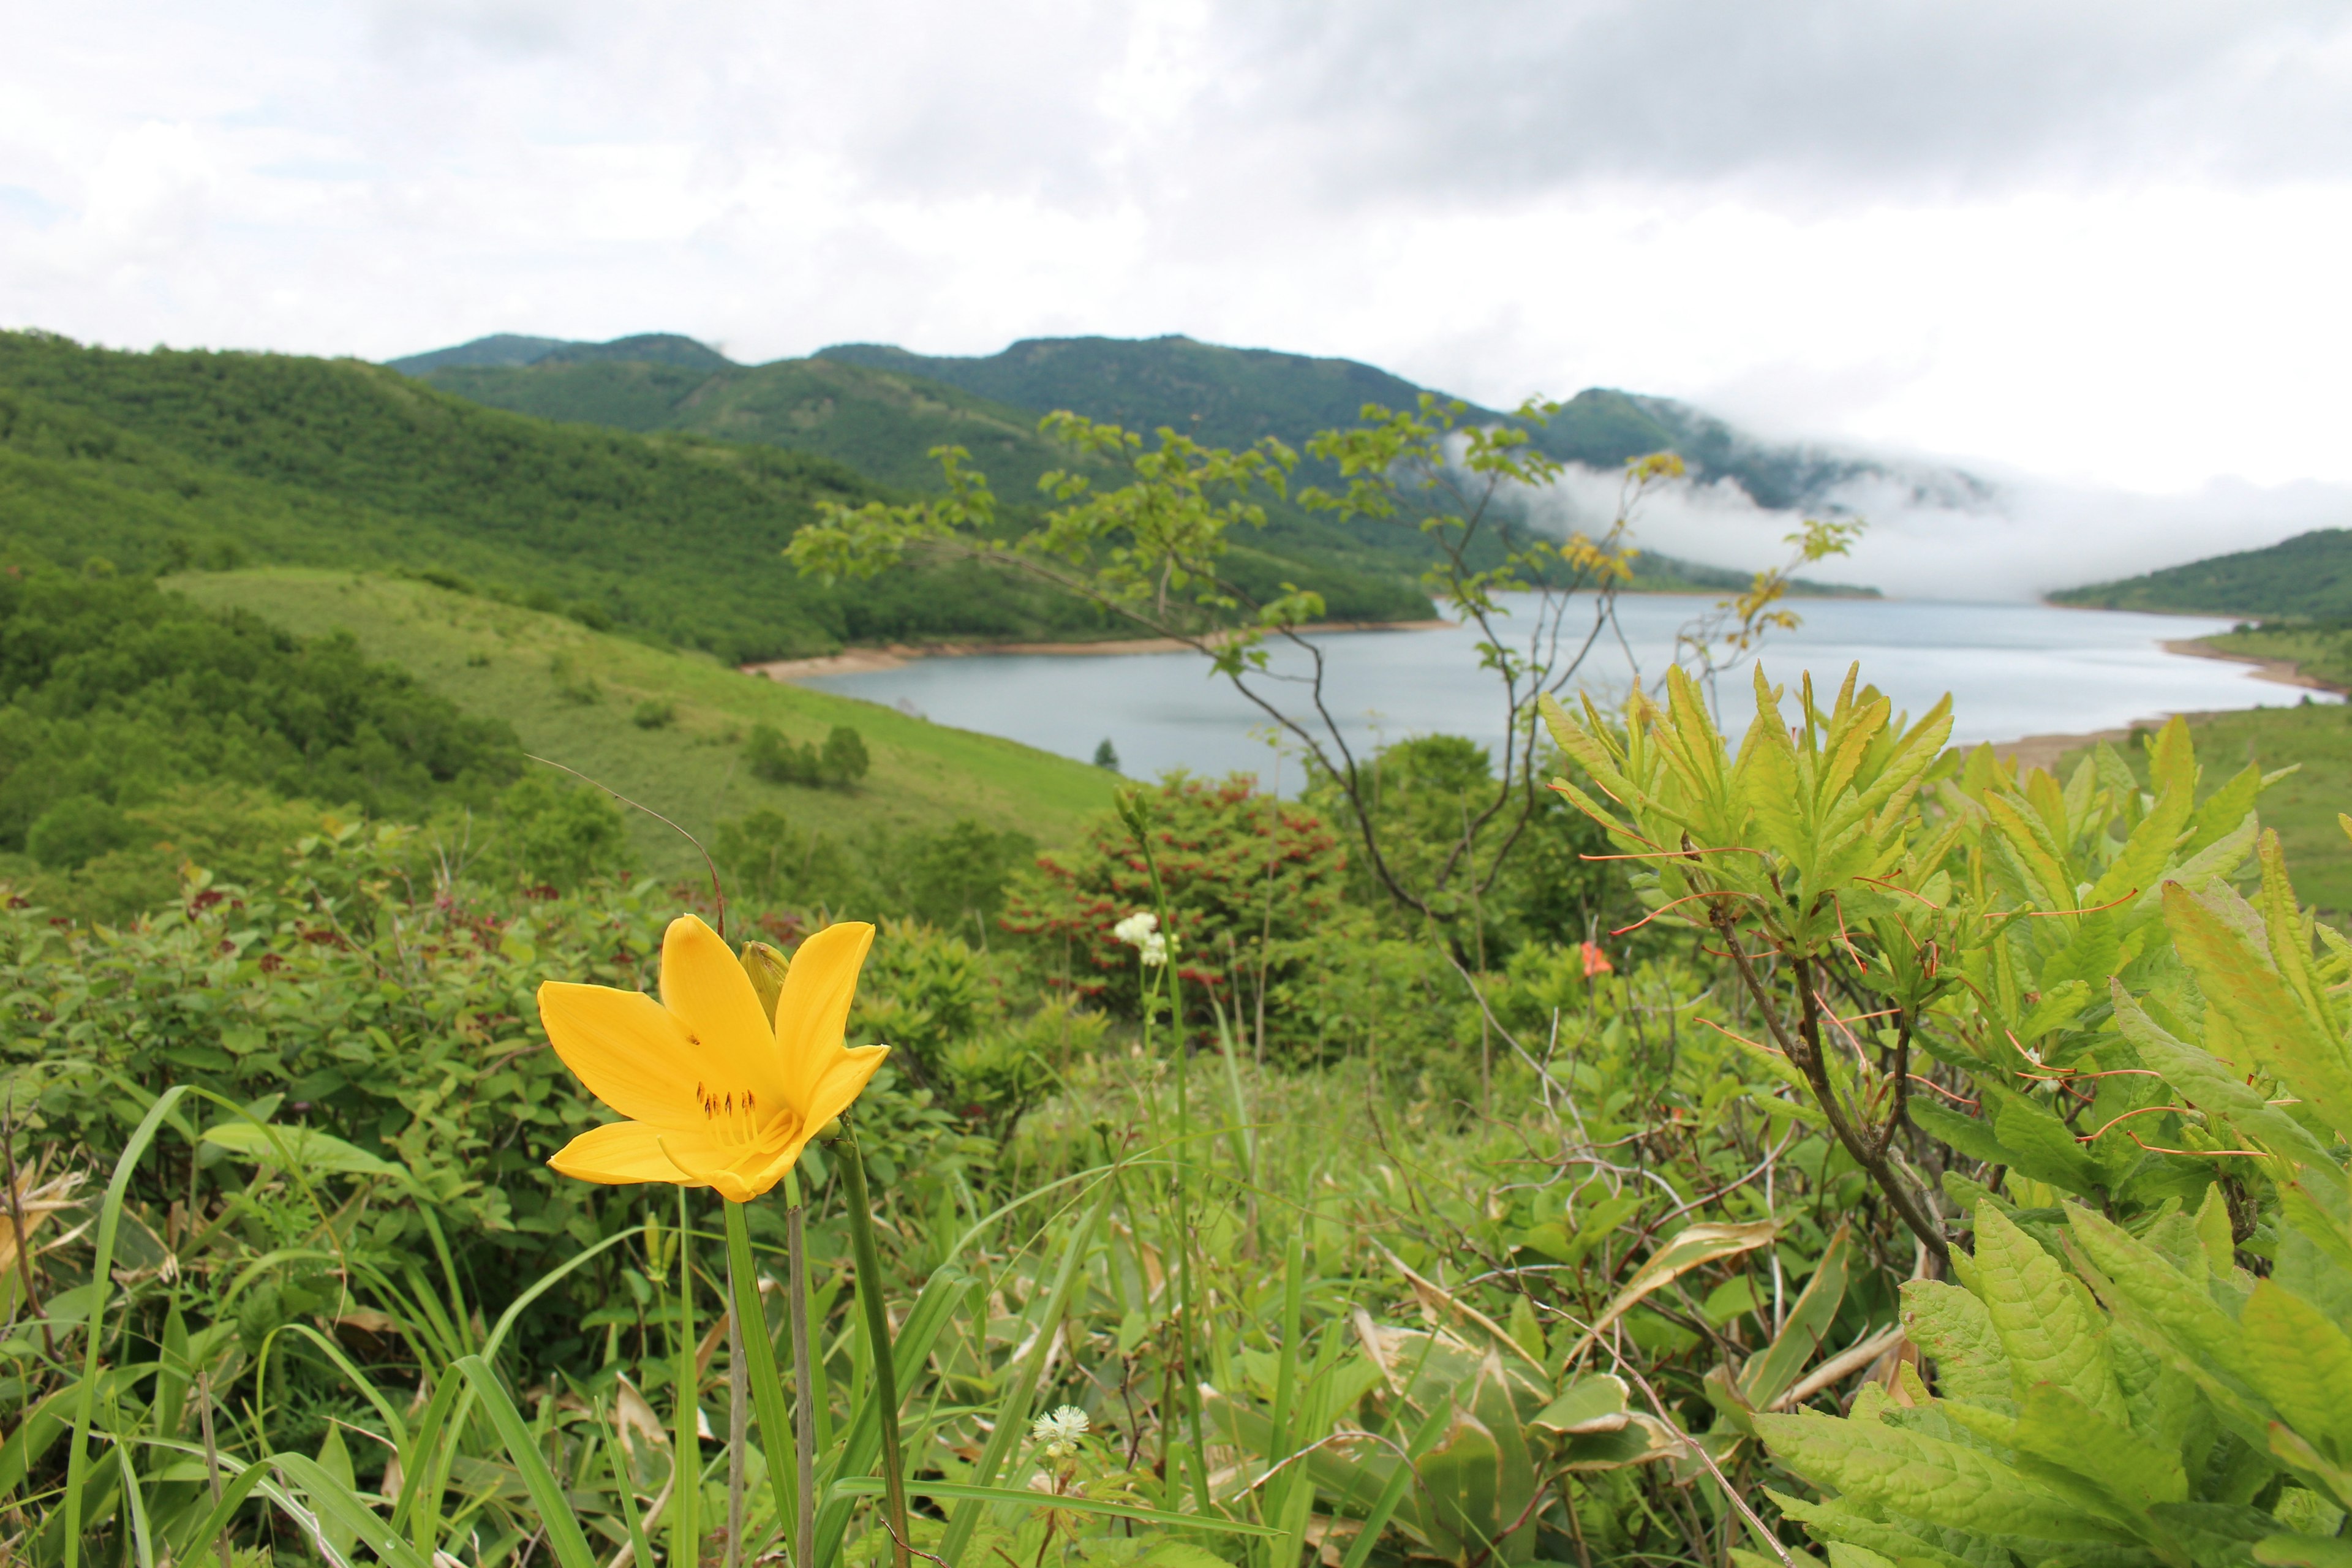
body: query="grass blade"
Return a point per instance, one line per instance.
(870, 1288)
(101, 1274)
(767, 1388)
(546, 1494)
(1012, 1413)
(337, 1504)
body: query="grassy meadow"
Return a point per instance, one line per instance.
(1798, 1145)
(573, 696)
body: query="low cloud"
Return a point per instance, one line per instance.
(2026, 538)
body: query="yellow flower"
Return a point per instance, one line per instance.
(717, 1097)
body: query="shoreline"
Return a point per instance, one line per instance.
(2045, 751)
(898, 656)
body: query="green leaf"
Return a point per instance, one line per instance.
(1463, 1479)
(1940, 1482)
(1695, 1245)
(2059, 1429)
(1833, 1522)
(2211, 1085)
(1593, 1403)
(2303, 1551)
(2239, 983)
(298, 1147)
(2302, 1363)
(2043, 1318)
(1952, 1326)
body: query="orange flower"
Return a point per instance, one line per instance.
(717, 1096)
(1595, 961)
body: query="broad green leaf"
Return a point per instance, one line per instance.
(2303, 1551)
(2174, 1313)
(301, 1147)
(1463, 1479)
(1593, 1403)
(1833, 1522)
(2209, 1083)
(1952, 1326)
(1930, 1479)
(2059, 1429)
(2239, 983)
(2043, 1317)
(2302, 1363)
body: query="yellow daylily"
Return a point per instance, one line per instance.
(716, 1095)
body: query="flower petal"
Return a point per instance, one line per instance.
(843, 1082)
(814, 1010)
(632, 1052)
(633, 1152)
(705, 986)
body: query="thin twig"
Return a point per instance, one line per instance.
(716, 893)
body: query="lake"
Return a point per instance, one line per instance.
(2013, 669)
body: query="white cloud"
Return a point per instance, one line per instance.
(2088, 239)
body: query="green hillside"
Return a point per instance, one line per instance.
(885, 425)
(164, 459)
(2308, 577)
(574, 695)
(881, 425)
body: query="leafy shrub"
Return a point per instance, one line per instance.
(654, 714)
(1254, 887)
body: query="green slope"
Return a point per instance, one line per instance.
(886, 426)
(2307, 577)
(170, 459)
(571, 694)
(881, 425)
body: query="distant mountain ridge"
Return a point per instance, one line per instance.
(1231, 397)
(2308, 577)
(881, 409)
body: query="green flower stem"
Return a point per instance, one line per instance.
(803, 1381)
(1136, 812)
(686, 1445)
(870, 1286)
(776, 1438)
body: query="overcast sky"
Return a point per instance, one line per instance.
(2104, 243)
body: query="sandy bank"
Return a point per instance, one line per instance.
(863, 660)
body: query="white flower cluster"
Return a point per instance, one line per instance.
(1140, 931)
(1060, 1431)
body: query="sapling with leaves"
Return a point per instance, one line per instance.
(2133, 1391)
(1887, 908)
(1156, 551)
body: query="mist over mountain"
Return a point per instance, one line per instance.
(1937, 529)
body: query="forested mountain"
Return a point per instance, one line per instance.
(171, 458)
(2306, 577)
(1230, 397)
(882, 410)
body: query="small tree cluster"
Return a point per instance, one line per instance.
(842, 761)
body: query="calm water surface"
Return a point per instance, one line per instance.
(2013, 670)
